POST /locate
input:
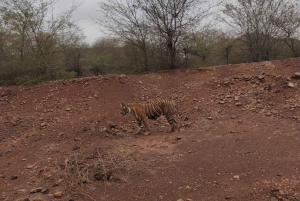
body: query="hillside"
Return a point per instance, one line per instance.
(239, 137)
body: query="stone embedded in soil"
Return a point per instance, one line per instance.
(58, 194)
(45, 190)
(35, 190)
(14, 177)
(29, 166)
(291, 85)
(4, 195)
(236, 177)
(238, 104)
(76, 147)
(57, 183)
(178, 138)
(296, 75)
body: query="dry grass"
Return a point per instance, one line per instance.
(113, 163)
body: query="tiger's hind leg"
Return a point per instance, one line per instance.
(172, 122)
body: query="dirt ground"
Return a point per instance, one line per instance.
(238, 139)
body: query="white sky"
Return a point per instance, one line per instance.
(84, 16)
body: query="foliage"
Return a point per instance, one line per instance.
(32, 42)
(144, 36)
(97, 63)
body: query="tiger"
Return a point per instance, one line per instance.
(151, 110)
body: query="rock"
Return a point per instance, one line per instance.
(178, 138)
(238, 104)
(14, 177)
(26, 199)
(236, 177)
(35, 190)
(29, 166)
(45, 190)
(291, 85)
(58, 194)
(296, 75)
(185, 119)
(261, 78)
(68, 109)
(76, 147)
(227, 198)
(111, 125)
(210, 118)
(180, 200)
(4, 195)
(57, 183)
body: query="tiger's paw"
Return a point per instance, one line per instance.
(137, 133)
(147, 133)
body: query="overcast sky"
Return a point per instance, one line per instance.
(84, 16)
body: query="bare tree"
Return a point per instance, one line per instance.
(126, 19)
(289, 24)
(172, 19)
(256, 23)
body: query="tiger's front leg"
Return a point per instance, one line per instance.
(145, 122)
(139, 126)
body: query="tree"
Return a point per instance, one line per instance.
(256, 23)
(98, 64)
(34, 37)
(143, 22)
(289, 24)
(172, 19)
(126, 20)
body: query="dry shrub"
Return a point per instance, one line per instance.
(105, 164)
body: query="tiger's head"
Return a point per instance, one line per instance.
(125, 108)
